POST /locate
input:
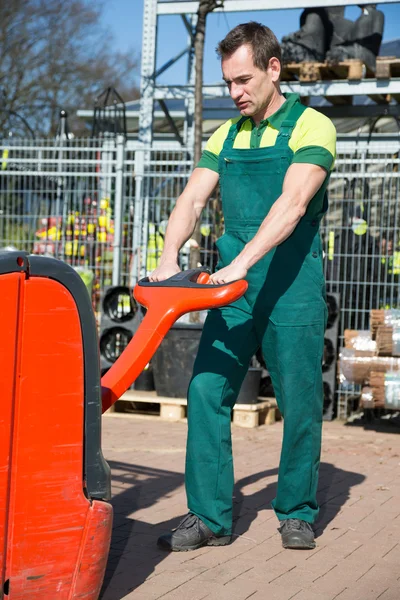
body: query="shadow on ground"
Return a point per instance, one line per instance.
(376, 420)
(333, 491)
(144, 487)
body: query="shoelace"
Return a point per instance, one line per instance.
(296, 524)
(189, 521)
(293, 524)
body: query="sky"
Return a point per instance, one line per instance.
(123, 18)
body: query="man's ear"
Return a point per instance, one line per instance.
(274, 67)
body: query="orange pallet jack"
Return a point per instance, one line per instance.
(55, 519)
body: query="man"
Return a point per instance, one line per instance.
(273, 164)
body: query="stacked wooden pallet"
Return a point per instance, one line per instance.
(385, 329)
(372, 359)
(387, 67)
(352, 69)
(385, 390)
(377, 385)
(264, 412)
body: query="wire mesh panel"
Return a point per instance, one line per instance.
(58, 199)
(128, 216)
(166, 175)
(360, 231)
(360, 234)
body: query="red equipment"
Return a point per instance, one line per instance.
(55, 521)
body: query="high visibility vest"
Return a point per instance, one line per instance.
(4, 159)
(393, 263)
(155, 245)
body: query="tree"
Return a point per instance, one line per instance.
(205, 7)
(54, 54)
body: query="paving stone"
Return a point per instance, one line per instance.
(358, 533)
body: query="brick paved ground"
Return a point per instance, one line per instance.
(358, 536)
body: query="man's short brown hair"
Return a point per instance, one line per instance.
(259, 37)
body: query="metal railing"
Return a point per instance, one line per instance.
(103, 205)
(66, 200)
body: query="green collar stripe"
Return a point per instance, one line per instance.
(282, 113)
(284, 119)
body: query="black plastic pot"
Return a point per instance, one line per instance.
(250, 389)
(173, 362)
(145, 381)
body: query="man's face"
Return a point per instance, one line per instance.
(250, 88)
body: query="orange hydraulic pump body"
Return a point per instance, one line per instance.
(55, 525)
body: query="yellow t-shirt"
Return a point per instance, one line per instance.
(313, 138)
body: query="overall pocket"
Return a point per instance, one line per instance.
(312, 267)
(299, 315)
(228, 246)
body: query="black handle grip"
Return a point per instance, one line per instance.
(186, 279)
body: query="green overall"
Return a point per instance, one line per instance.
(284, 313)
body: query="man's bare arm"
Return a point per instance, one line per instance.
(183, 219)
(302, 181)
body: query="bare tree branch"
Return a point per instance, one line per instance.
(55, 53)
(205, 7)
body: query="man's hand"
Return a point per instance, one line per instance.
(164, 271)
(230, 273)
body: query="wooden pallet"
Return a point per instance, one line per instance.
(265, 412)
(352, 69)
(387, 67)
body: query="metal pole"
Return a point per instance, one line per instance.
(137, 216)
(118, 211)
(60, 182)
(147, 81)
(145, 220)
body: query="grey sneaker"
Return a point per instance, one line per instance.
(191, 534)
(297, 534)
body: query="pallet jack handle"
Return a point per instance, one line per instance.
(165, 301)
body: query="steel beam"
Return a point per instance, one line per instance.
(147, 71)
(364, 87)
(171, 62)
(189, 28)
(357, 110)
(171, 122)
(191, 6)
(190, 80)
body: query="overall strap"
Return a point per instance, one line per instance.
(288, 125)
(232, 133)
